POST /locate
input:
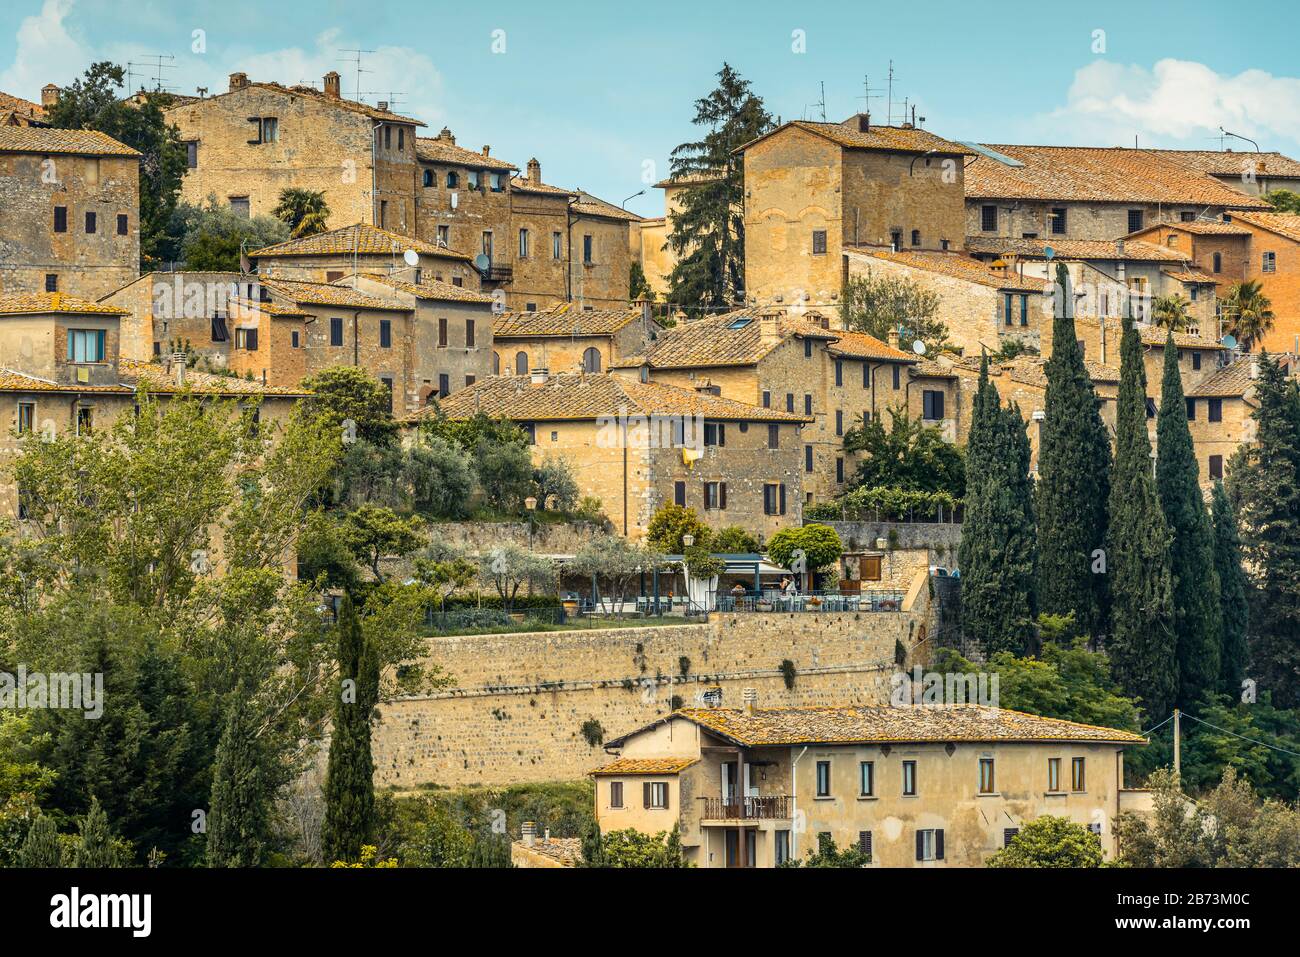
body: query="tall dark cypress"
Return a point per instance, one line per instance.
(1191, 551)
(1141, 647)
(1267, 488)
(998, 552)
(1073, 479)
(350, 777)
(239, 822)
(1234, 613)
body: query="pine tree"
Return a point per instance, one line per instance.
(998, 553)
(41, 847)
(1234, 613)
(1073, 480)
(1197, 619)
(95, 847)
(240, 805)
(1266, 486)
(1142, 648)
(350, 776)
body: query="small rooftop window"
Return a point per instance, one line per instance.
(740, 323)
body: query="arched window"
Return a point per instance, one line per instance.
(428, 177)
(496, 363)
(916, 237)
(591, 360)
(521, 363)
(453, 180)
(1218, 262)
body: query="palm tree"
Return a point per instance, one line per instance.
(1248, 311)
(1170, 312)
(304, 211)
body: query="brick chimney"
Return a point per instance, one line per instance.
(487, 150)
(769, 326)
(446, 137)
(534, 171)
(332, 85)
(49, 95)
(238, 81)
(860, 122)
(893, 338)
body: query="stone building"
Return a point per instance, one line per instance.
(1080, 192)
(70, 217)
(650, 236)
(541, 264)
(815, 189)
(565, 338)
(247, 145)
(600, 254)
(913, 786)
(639, 445)
(15, 111)
(1251, 173)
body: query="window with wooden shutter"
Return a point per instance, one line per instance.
(1009, 835)
(615, 793)
(864, 842)
(679, 493)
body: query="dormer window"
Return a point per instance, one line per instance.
(85, 345)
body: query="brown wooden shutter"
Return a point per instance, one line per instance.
(665, 795)
(722, 495)
(645, 793)
(938, 844)
(781, 488)
(920, 845)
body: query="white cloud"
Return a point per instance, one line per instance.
(46, 52)
(1176, 102)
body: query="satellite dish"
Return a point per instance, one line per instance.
(918, 347)
(483, 262)
(1229, 342)
(1048, 252)
(412, 257)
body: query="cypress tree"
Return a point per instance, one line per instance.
(350, 776)
(1234, 614)
(1267, 489)
(1073, 479)
(1191, 550)
(1141, 648)
(41, 847)
(96, 848)
(240, 806)
(998, 552)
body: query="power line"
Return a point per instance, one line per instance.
(1241, 736)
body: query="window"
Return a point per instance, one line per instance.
(469, 334)
(246, 339)
(591, 360)
(453, 179)
(1009, 835)
(789, 401)
(781, 846)
(92, 223)
(715, 433)
(122, 224)
(807, 348)
(1187, 216)
(26, 417)
(496, 182)
(521, 363)
(442, 332)
(192, 154)
(85, 420)
(986, 776)
(715, 495)
(807, 403)
(932, 404)
(85, 345)
(807, 458)
(866, 778)
(1134, 220)
(1191, 409)
(656, 794)
(895, 368)
(1057, 220)
(1196, 356)
(1006, 308)
(773, 435)
(1053, 774)
(916, 237)
(293, 339)
(679, 493)
(896, 240)
(1215, 410)
(864, 842)
(383, 213)
(823, 779)
(51, 282)
(839, 470)
(819, 242)
(1216, 466)
(444, 235)
(1078, 780)
(909, 779)
(839, 421)
(866, 375)
(60, 219)
(616, 794)
(1151, 408)
(385, 333)
(839, 371)
(557, 245)
(336, 330)
(587, 244)
(989, 219)
(929, 844)
(1024, 310)
(1270, 262)
(1218, 262)
(767, 399)
(471, 379)
(774, 498)
(428, 178)
(473, 179)
(401, 137)
(239, 206)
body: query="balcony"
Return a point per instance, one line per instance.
(495, 273)
(766, 807)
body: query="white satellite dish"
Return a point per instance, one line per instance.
(412, 257)
(918, 347)
(1228, 342)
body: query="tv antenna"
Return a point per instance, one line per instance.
(356, 58)
(156, 62)
(821, 104)
(889, 103)
(867, 96)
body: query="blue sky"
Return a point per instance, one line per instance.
(601, 92)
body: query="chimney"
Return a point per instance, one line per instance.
(893, 337)
(332, 85)
(177, 364)
(769, 325)
(534, 171)
(864, 122)
(530, 833)
(487, 150)
(1119, 248)
(547, 835)
(49, 95)
(383, 106)
(750, 697)
(539, 375)
(1254, 367)
(446, 136)
(238, 81)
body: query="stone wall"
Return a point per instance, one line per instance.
(936, 536)
(517, 711)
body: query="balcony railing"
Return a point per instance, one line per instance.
(866, 600)
(496, 273)
(754, 808)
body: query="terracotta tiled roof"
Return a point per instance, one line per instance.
(588, 205)
(563, 320)
(957, 266)
(41, 139)
(11, 381)
(521, 184)
(1231, 163)
(1156, 335)
(19, 303)
(732, 339)
(326, 294)
(18, 105)
(361, 238)
(892, 139)
(931, 369)
(311, 93)
(1134, 249)
(440, 149)
(1229, 381)
(155, 378)
(1030, 371)
(1284, 224)
(1190, 275)
(779, 727)
(1091, 174)
(577, 397)
(646, 766)
(428, 289)
(566, 851)
(860, 345)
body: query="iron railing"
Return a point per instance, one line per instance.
(818, 601)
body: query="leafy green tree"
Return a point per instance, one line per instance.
(556, 486)
(508, 567)
(1197, 622)
(349, 781)
(211, 236)
(373, 533)
(1284, 200)
(441, 477)
(1233, 609)
(617, 562)
(95, 846)
(909, 455)
(826, 854)
(878, 305)
(373, 474)
(593, 846)
(342, 394)
(42, 847)
(708, 232)
(239, 822)
(998, 553)
(632, 848)
(94, 102)
(1073, 479)
(1171, 312)
(733, 540)
(1142, 647)
(817, 545)
(304, 211)
(1248, 311)
(504, 471)
(1050, 841)
(670, 523)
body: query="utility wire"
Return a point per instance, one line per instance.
(1160, 725)
(1242, 736)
